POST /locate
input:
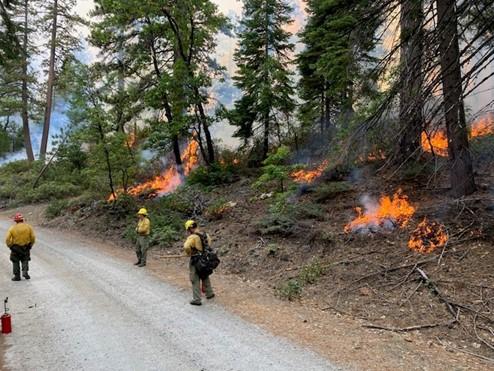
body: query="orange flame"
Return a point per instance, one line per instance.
(483, 127)
(427, 237)
(439, 140)
(171, 179)
(390, 212)
(308, 176)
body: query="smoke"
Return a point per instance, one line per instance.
(59, 122)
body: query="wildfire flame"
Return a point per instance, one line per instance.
(427, 237)
(388, 213)
(439, 139)
(437, 142)
(483, 127)
(308, 176)
(171, 179)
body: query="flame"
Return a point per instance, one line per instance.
(439, 140)
(483, 127)
(308, 176)
(390, 212)
(171, 179)
(427, 237)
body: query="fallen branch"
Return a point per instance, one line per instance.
(435, 291)
(410, 328)
(386, 271)
(489, 345)
(466, 351)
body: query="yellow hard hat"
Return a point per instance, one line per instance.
(142, 211)
(189, 224)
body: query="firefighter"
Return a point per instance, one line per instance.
(143, 230)
(193, 247)
(20, 239)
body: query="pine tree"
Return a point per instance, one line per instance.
(335, 64)
(264, 76)
(59, 23)
(461, 173)
(411, 78)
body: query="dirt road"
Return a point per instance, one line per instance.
(84, 309)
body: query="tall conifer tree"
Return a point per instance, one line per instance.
(264, 76)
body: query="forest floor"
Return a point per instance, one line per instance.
(358, 299)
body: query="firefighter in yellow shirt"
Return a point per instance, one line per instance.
(20, 239)
(193, 247)
(143, 230)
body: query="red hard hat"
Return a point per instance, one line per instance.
(18, 217)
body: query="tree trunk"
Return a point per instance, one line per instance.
(411, 102)
(51, 81)
(205, 127)
(265, 148)
(166, 104)
(461, 172)
(25, 92)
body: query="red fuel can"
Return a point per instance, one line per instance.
(6, 324)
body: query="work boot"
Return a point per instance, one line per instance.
(195, 302)
(16, 278)
(141, 265)
(26, 276)
(210, 296)
(138, 262)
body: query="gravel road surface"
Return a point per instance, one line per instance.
(84, 309)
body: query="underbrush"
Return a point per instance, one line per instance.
(21, 183)
(309, 274)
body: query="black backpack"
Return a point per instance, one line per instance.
(207, 261)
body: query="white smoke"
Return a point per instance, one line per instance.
(59, 122)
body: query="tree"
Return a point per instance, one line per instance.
(164, 51)
(336, 63)
(411, 78)
(264, 77)
(10, 47)
(25, 80)
(461, 173)
(62, 43)
(194, 25)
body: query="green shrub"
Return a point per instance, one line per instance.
(274, 170)
(276, 224)
(289, 290)
(331, 190)
(48, 191)
(215, 174)
(164, 235)
(123, 207)
(56, 208)
(311, 272)
(309, 211)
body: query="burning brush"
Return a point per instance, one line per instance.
(387, 214)
(308, 176)
(437, 141)
(428, 236)
(170, 179)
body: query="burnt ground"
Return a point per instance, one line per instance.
(373, 279)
